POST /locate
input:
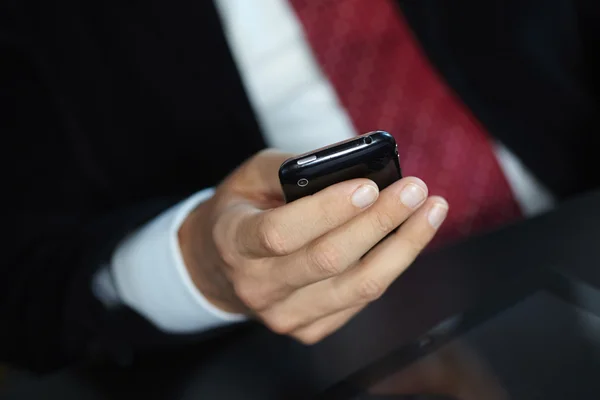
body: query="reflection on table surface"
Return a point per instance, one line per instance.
(542, 348)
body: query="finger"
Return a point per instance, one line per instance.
(335, 252)
(389, 260)
(325, 326)
(368, 280)
(285, 229)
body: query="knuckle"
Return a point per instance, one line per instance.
(263, 152)
(411, 246)
(384, 221)
(251, 296)
(329, 217)
(228, 256)
(325, 258)
(270, 237)
(310, 337)
(224, 250)
(260, 155)
(370, 289)
(281, 323)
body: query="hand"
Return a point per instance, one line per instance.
(299, 267)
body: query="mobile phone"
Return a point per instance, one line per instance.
(373, 155)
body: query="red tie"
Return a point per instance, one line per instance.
(385, 82)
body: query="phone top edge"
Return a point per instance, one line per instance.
(377, 136)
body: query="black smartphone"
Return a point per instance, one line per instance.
(373, 155)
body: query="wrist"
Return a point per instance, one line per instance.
(190, 237)
(201, 261)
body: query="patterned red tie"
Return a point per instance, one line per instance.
(385, 82)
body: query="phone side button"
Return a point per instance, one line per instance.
(306, 160)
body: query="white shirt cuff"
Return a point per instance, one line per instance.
(149, 275)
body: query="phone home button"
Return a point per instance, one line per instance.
(303, 182)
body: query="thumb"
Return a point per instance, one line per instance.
(258, 178)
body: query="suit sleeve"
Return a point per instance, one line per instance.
(63, 224)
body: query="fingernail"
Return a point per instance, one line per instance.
(364, 196)
(437, 214)
(412, 195)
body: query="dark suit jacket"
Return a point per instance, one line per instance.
(114, 110)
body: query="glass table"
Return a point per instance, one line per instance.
(543, 343)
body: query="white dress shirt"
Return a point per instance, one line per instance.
(298, 111)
